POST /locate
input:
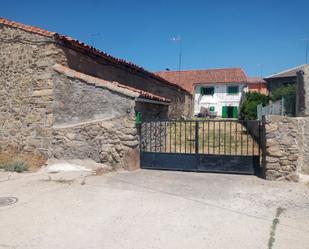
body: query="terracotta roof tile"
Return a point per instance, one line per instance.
(107, 84)
(255, 80)
(87, 48)
(187, 79)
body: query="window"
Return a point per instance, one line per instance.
(212, 108)
(233, 89)
(207, 90)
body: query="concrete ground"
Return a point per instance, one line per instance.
(152, 209)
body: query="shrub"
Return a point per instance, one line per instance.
(15, 166)
(252, 100)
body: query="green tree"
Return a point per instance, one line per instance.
(289, 94)
(248, 109)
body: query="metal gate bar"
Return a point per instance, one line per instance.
(213, 146)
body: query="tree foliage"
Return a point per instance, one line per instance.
(248, 109)
(289, 94)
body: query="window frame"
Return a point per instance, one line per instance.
(202, 90)
(232, 93)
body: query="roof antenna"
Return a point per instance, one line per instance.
(260, 65)
(179, 40)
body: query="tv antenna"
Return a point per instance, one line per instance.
(179, 40)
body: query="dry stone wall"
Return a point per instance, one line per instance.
(114, 142)
(26, 91)
(286, 150)
(91, 121)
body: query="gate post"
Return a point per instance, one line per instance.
(196, 145)
(262, 144)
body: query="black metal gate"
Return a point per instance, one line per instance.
(201, 145)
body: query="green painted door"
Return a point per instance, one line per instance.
(235, 112)
(224, 111)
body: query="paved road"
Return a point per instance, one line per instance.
(154, 209)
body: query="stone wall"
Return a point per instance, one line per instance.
(152, 111)
(26, 90)
(92, 121)
(77, 101)
(98, 67)
(114, 142)
(287, 146)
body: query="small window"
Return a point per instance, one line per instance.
(207, 90)
(212, 108)
(233, 89)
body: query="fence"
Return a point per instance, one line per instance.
(275, 108)
(217, 137)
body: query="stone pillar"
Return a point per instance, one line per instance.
(283, 147)
(302, 92)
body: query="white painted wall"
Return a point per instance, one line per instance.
(220, 97)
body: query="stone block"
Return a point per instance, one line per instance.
(131, 159)
(275, 151)
(272, 174)
(44, 92)
(130, 144)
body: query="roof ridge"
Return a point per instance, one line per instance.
(85, 46)
(286, 71)
(111, 85)
(202, 70)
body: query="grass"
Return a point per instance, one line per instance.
(14, 160)
(224, 138)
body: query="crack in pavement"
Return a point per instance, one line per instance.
(273, 228)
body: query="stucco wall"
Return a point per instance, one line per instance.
(95, 66)
(219, 99)
(77, 101)
(26, 90)
(287, 147)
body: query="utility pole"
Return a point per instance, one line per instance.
(179, 40)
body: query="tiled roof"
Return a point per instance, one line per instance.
(187, 79)
(114, 86)
(255, 80)
(287, 73)
(25, 27)
(87, 48)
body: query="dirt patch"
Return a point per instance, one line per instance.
(32, 160)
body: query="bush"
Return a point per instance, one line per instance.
(248, 109)
(15, 166)
(289, 94)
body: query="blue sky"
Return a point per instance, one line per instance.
(259, 36)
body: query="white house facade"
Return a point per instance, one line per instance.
(220, 90)
(222, 99)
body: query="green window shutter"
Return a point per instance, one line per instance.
(138, 118)
(233, 89)
(235, 112)
(212, 108)
(207, 90)
(224, 111)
